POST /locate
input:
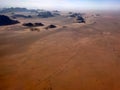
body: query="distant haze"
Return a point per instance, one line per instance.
(63, 4)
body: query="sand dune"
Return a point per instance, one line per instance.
(74, 57)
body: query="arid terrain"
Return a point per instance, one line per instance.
(72, 56)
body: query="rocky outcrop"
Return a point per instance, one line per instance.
(80, 19)
(21, 16)
(45, 14)
(50, 26)
(5, 20)
(17, 9)
(33, 24)
(28, 24)
(38, 24)
(74, 14)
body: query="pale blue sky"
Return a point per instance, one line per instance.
(62, 4)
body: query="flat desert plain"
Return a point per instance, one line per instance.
(73, 56)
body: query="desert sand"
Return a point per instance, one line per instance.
(73, 56)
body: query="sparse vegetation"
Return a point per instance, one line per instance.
(35, 29)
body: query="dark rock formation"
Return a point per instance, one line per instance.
(56, 14)
(80, 19)
(33, 24)
(74, 14)
(45, 14)
(50, 26)
(97, 14)
(39, 24)
(21, 16)
(28, 24)
(56, 11)
(29, 16)
(17, 9)
(70, 13)
(5, 20)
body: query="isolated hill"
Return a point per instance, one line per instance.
(80, 19)
(51, 26)
(5, 20)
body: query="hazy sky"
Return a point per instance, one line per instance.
(62, 4)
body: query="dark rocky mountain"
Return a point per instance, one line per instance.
(78, 16)
(45, 14)
(74, 14)
(17, 9)
(5, 20)
(56, 14)
(20, 16)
